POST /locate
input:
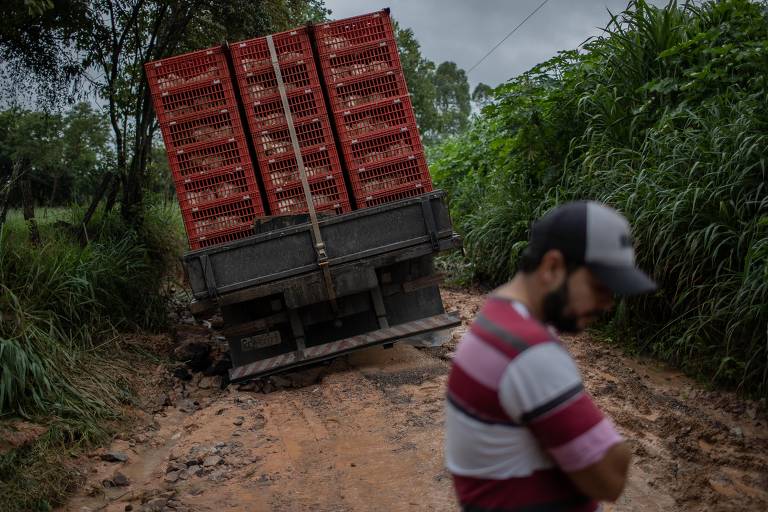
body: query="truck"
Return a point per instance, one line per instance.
(313, 225)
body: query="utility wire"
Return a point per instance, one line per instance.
(507, 36)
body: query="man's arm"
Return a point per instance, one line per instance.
(605, 479)
(542, 389)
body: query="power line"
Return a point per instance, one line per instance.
(507, 36)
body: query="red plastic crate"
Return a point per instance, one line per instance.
(352, 32)
(194, 100)
(185, 70)
(374, 118)
(389, 196)
(253, 54)
(277, 142)
(208, 157)
(262, 85)
(212, 187)
(223, 217)
(221, 125)
(284, 172)
(328, 194)
(404, 173)
(360, 62)
(369, 89)
(304, 104)
(381, 147)
(221, 238)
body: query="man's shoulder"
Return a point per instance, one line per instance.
(511, 330)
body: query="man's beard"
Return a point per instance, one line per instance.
(554, 311)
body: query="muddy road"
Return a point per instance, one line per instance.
(365, 433)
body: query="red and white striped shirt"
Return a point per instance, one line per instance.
(517, 417)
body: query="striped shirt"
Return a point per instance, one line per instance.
(517, 417)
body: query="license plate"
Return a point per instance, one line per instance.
(258, 341)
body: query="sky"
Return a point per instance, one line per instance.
(463, 31)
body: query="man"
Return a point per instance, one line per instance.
(521, 432)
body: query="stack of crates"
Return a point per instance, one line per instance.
(370, 103)
(204, 138)
(264, 111)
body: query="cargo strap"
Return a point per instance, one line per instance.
(322, 256)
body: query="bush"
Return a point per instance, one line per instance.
(664, 118)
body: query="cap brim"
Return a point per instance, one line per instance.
(625, 281)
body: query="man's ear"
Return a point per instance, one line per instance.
(552, 269)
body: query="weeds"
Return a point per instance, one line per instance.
(61, 359)
(665, 118)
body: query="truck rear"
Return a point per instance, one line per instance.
(305, 193)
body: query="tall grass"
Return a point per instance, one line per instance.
(665, 118)
(62, 310)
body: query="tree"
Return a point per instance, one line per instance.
(439, 94)
(112, 39)
(451, 99)
(86, 149)
(482, 95)
(62, 154)
(418, 73)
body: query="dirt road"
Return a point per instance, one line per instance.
(365, 433)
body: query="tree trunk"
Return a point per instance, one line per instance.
(133, 186)
(112, 197)
(29, 212)
(16, 174)
(105, 181)
(53, 192)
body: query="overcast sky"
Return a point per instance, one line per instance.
(462, 31)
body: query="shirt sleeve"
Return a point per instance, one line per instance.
(542, 389)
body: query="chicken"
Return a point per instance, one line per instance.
(226, 189)
(336, 42)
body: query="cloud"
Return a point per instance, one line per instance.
(462, 31)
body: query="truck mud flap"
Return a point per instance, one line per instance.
(336, 348)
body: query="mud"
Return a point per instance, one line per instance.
(365, 433)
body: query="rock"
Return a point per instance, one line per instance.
(182, 373)
(220, 364)
(218, 475)
(120, 480)
(192, 470)
(737, 431)
(193, 461)
(306, 377)
(155, 505)
(183, 474)
(281, 381)
(195, 354)
(128, 508)
(217, 322)
(175, 466)
(209, 382)
(238, 421)
(211, 461)
(162, 400)
(172, 477)
(114, 457)
(251, 385)
(267, 388)
(187, 405)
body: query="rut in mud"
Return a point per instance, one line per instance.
(365, 433)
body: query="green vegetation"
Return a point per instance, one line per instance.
(440, 94)
(62, 361)
(665, 117)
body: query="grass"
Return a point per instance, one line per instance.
(664, 118)
(62, 362)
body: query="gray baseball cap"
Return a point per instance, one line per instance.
(597, 236)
